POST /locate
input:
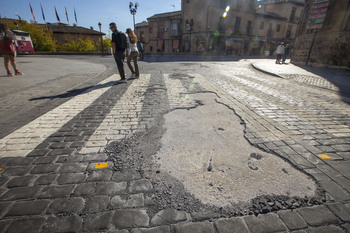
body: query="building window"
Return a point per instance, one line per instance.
(174, 28)
(249, 27)
(187, 1)
(278, 29)
(150, 30)
(269, 31)
(261, 25)
(292, 15)
(238, 24)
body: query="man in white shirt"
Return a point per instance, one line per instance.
(280, 52)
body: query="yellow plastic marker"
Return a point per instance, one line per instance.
(324, 156)
(0, 169)
(101, 165)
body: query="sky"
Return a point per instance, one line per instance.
(89, 12)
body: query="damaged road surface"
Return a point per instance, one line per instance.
(206, 150)
(197, 158)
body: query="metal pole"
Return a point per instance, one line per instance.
(134, 21)
(312, 44)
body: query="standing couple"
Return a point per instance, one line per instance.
(125, 45)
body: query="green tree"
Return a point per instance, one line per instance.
(42, 38)
(78, 46)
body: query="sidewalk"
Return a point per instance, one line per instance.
(328, 78)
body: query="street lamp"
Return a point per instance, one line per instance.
(100, 25)
(133, 10)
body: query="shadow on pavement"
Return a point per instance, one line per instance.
(182, 58)
(76, 92)
(337, 76)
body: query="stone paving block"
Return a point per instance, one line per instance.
(335, 190)
(69, 159)
(73, 168)
(292, 220)
(162, 229)
(126, 175)
(168, 216)
(130, 218)
(3, 180)
(264, 223)
(4, 207)
(198, 227)
(142, 185)
(132, 201)
(96, 204)
(60, 152)
(110, 188)
(62, 224)
(94, 158)
(71, 178)
(38, 153)
(85, 189)
(118, 231)
(98, 222)
(45, 169)
(201, 216)
(346, 226)
(31, 225)
(231, 225)
(20, 161)
(16, 171)
(44, 160)
(318, 216)
(70, 205)
(20, 181)
(28, 208)
(340, 210)
(326, 229)
(21, 193)
(100, 175)
(45, 179)
(4, 224)
(57, 191)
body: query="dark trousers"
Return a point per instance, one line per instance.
(133, 56)
(119, 59)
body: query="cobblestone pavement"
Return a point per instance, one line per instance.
(74, 170)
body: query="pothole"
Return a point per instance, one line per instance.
(205, 149)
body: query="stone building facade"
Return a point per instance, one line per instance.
(332, 42)
(248, 28)
(162, 33)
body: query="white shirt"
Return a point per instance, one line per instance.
(280, 49)
(131, 47)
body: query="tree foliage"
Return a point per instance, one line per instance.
(78, 46)
(42, 38)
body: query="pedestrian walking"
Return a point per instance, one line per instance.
(132, 52)
(119, 45)
(280, 52)
(8, 50)
(286, 53)
(140, 48)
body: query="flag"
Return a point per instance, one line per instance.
(42, 11)
(75, 15)
(67, 15)
(31, 9)
(58, 18)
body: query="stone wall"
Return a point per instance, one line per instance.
(329, 49)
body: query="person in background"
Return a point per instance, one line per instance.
(140, 48)
(280, 52)
(132, 52)
(119, 47)
(286, 53)
(8, 49)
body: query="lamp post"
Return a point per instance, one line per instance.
(100, 25)
(133, 10)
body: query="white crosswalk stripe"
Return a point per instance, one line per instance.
(24, 140)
